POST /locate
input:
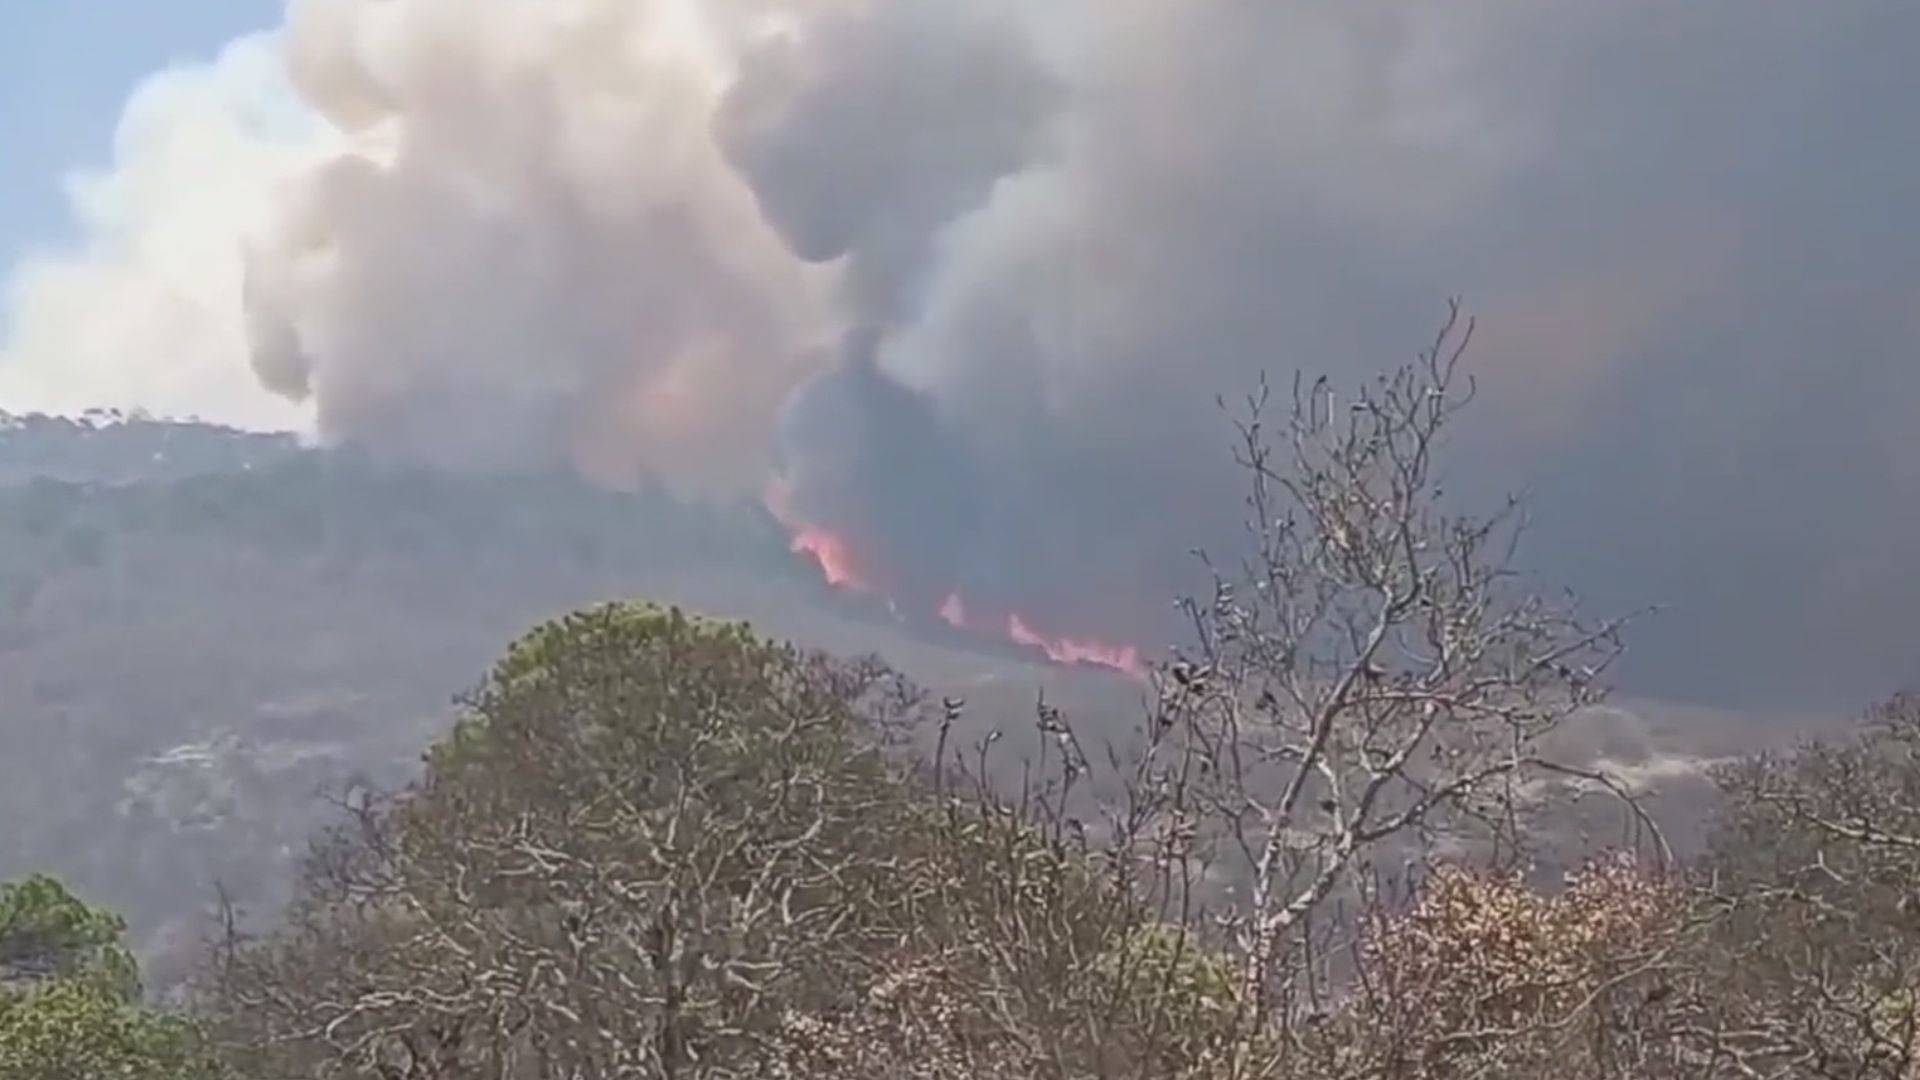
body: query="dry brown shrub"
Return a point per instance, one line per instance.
(1485, 976)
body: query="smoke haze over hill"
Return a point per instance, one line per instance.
(962, 281)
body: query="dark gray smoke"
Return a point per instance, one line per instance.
(876, 129)
(967, 278)
(1681, 229)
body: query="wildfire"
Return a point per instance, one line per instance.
(831, 552)
(1065, 650)
(1061, 650)
(841, 568)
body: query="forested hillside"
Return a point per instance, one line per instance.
(1374, 822)
(203, 633)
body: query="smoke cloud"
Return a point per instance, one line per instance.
(535, 254)
(963, 281)
(144, 312)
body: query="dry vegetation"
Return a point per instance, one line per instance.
(660, 846)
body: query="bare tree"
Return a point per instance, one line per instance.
(1810, 965)
(661, 849)
(1373, 678)
(664, 848)
(1374, 674)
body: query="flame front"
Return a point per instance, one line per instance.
(836, 559)
(1066, 650)
(831, 552)
(1061, 650)
(835, 555)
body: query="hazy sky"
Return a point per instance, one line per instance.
(65, 72)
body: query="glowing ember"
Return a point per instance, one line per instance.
(836, 562)
(1124, 658)
(954, 610)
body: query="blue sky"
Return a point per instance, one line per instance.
(66, 69)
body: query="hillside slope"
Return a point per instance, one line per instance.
(203, 633)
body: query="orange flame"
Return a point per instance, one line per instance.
(831, 552)
(1064, 650)
(841, 568)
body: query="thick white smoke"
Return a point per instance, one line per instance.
(534, 252)
(145, 311)
(966, 278)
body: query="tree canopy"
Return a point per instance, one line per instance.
(69, 997)
(654, 844)
(660, 845)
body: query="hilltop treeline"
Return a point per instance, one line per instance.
(188, 657)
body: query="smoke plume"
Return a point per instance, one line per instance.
(958, 284)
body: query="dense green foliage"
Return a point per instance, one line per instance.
(68, 1030)
(69, 997)
(47, 933)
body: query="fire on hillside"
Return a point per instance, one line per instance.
(839, 563)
